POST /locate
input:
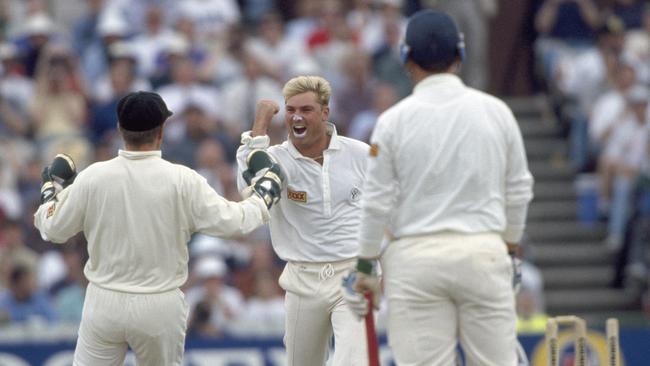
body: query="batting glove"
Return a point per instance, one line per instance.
(355, 300)
(367, 279)
(516, 272)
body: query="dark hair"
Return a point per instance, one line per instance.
(139, 138)
(141, 111)
(432, 41)
(18, 273)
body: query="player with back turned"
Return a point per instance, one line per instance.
(314, 227)
(448, 179)
(138, 212)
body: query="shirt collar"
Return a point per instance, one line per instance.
(137, 155)
(335, 144)
(444, 80)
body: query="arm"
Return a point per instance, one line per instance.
(216, 216)
(256, 138)
(379, 187)
(546, 16)
(380, 184)
(61, 213)
(589, 11)
(519, 184)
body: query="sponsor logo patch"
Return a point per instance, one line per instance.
(297, 196)
(374, 150)
(355, 194)
(50, 211)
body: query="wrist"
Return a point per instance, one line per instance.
(258, 132)
(513, 249)
(366, 266)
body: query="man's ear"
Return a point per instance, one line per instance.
(326, 113)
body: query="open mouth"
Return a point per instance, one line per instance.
(299, 131)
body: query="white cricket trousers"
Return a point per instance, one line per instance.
(314, 310)
(446, 288)
(152, 324)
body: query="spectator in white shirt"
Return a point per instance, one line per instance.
(624, 154)
(224, 303)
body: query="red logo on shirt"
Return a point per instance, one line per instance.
(297, 196)
(50, 211)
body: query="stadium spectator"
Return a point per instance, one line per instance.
(637, 47)
(622, 158)
(59, 106)
(14, 251)
(264, 313)
(212, 164)
(355, 90)
(186, 88)
(274, 51)
(23, 302)
(241, 95)
(38, 31)
(473, 19)
(387, 65)
(223, 302)
(195, 126)
(150, 43)
(16, 92)
(565, 27)
(383, 96)
(68, 294)
(95, 56)
(582, 78)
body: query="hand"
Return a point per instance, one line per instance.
(58, 175)
(48, 191)
(63, 170)
(258, 162)
(264, 112)
(516, 272)
(269, 185)
(355, 300)
(367, 280)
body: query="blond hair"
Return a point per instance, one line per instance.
(304, 84)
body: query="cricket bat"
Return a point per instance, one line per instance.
(371, 335)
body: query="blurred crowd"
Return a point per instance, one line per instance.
(64, 65)
(594, 60)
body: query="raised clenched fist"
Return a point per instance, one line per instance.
(264, 112)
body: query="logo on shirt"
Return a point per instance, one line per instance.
(374, 150)
(297, 196)
(50, 211)
(355, 194)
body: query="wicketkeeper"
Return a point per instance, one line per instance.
(138, 212)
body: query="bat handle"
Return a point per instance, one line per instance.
(371, 335)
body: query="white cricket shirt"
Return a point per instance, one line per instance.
(446, 158)
(137, 212)
(317, 219)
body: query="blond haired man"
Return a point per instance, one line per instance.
(314, 226)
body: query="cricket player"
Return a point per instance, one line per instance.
(138, 212)
(314, 227)
(448, 179)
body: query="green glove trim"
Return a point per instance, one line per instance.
(365, 266)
